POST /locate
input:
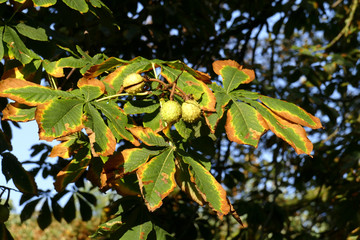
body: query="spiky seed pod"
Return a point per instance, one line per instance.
(170, 111)
(133, 83)
(191, 111)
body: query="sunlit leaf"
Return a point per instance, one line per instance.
(44, 3)
(136, 157)
(117, 120)
(148, 136)
(156, 178)
(244, 124)
(29, 93)
(18, 112)
(59, 117)
(103, 142)
(17, 46)
(138, 65)
(1, 42)
(212, 191)
(53, 69)
(108, 64)
(79, 5)
(38, 34)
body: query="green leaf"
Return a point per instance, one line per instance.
(211, 190)
(138, 231)
(73, 170)
(232, 78)
(108, 227)
(53, 69)
(244, 125)
(18, 112)
(108, 64)
(154, 121)
(291, 112)
(138, 65)
(104, 142)
(22, 179)
(156, 178)
(91, 88)
(117, 120)
(1, 42)
(70, 210)
(85, 209)
(141, 106)
(136, 157)
(183, 129)
(79, 5)
(148, 136)
(44, 218)
(21, 52)
(44, 3)
(71, 62)
(183, 179)
(59, 117)
(292, 133)
(38, 34)
(29, 93)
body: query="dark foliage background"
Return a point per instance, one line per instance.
(305, 52)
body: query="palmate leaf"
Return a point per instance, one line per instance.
(244, 125)
(1, 42)
(38, 34)
(64, 149)
(53, 69)
(29, 93)
(79, 5)
(106, 65)
(59, 117)
(136, 157)
(251, 114)
(18, 112)
(117, 120)
(17, 46)
(211, 191)
(91, 88)
(156, 178)
(101, 138)
(138, 65)
(148, 136)
(141, 106)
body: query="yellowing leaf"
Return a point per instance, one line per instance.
(156, 178)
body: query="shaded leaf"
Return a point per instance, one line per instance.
(22, 179)
(28, 210)
(4, 232)
(59, 117)
(56, 209)
(108, 64)
(156, 178)
(85, 209)
(141, 106)
(70, 210)
(44, 218)
(73, 170)
(183, 179)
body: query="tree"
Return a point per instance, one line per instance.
(82, 52)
